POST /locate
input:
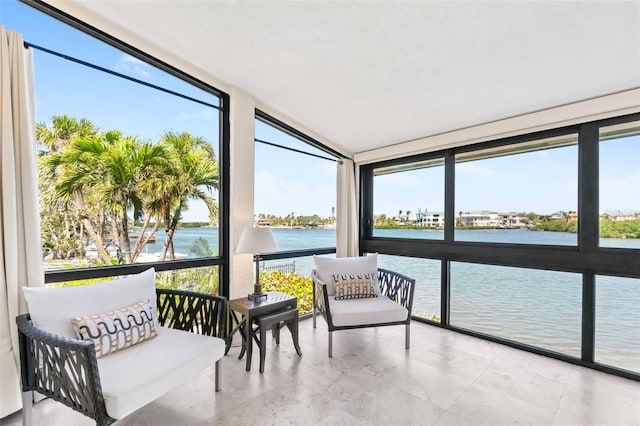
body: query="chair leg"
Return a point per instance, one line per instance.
(263, 347)
(27, 408)
(314, 315)
(407, 336)
(330, 344)
(218, 372)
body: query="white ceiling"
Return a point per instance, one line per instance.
(364, 75)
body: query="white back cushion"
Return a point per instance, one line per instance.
(326, 267)
(52, 308)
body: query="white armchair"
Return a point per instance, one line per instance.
(391, 304)
(124, 363)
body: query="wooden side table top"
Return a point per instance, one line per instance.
(274, 301)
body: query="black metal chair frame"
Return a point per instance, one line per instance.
(66, 370)
(395, 286)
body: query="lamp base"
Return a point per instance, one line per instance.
(257, 296)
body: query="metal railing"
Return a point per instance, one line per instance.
(288, 268)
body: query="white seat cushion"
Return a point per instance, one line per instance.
(378, 310)
(133, 377)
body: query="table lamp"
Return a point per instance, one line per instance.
(257, 241)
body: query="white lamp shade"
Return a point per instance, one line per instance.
(256, 241)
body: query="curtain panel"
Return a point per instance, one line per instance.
(20, 246)
(346, 211)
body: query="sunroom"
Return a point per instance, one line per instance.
(489, 150)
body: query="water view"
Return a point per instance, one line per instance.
(541, 308)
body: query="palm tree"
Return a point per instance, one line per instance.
(107, 171)
(191, 173)
(71, 209)
(126, 163)
(73, 170)
(64, 129)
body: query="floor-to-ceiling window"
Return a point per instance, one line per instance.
(539, 243)
(131, 160)
(295, 196)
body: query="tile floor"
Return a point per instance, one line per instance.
(445, 379)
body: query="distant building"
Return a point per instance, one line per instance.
(264, 223)
(557, 216)
(480, 218)
(623, 217)
(569, 216)
(512, 220)
(430, 219)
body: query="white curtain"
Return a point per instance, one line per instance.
(20, 247)
(346, 211)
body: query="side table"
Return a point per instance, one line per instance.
(241, 312)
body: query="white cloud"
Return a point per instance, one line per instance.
(203, 114)
(133, 66)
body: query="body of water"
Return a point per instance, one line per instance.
(541, 308)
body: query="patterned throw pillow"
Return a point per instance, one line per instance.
(117, 330)
(354, 286)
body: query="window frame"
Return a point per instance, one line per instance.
(222, 260)
(586, 258)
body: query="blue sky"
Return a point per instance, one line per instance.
(286, 182)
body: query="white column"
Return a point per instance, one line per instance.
(242, 117)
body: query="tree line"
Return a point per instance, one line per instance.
(96, 185)
(291, 220)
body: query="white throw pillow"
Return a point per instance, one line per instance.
(326, 267)
(116, 330)
(51, 308)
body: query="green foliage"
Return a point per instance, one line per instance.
(193, 224)
(202, 280)
(557, 226)
(78, 283)
(623, 229)
(94, 184)
(300, 286)
(200, 248)
(291, 220)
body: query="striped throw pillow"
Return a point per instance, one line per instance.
(117, 330)
(354, 286)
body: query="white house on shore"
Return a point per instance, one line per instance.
(430, 219)
(492, 219)
(480, 218)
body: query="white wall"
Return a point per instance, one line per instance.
(242, 117)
